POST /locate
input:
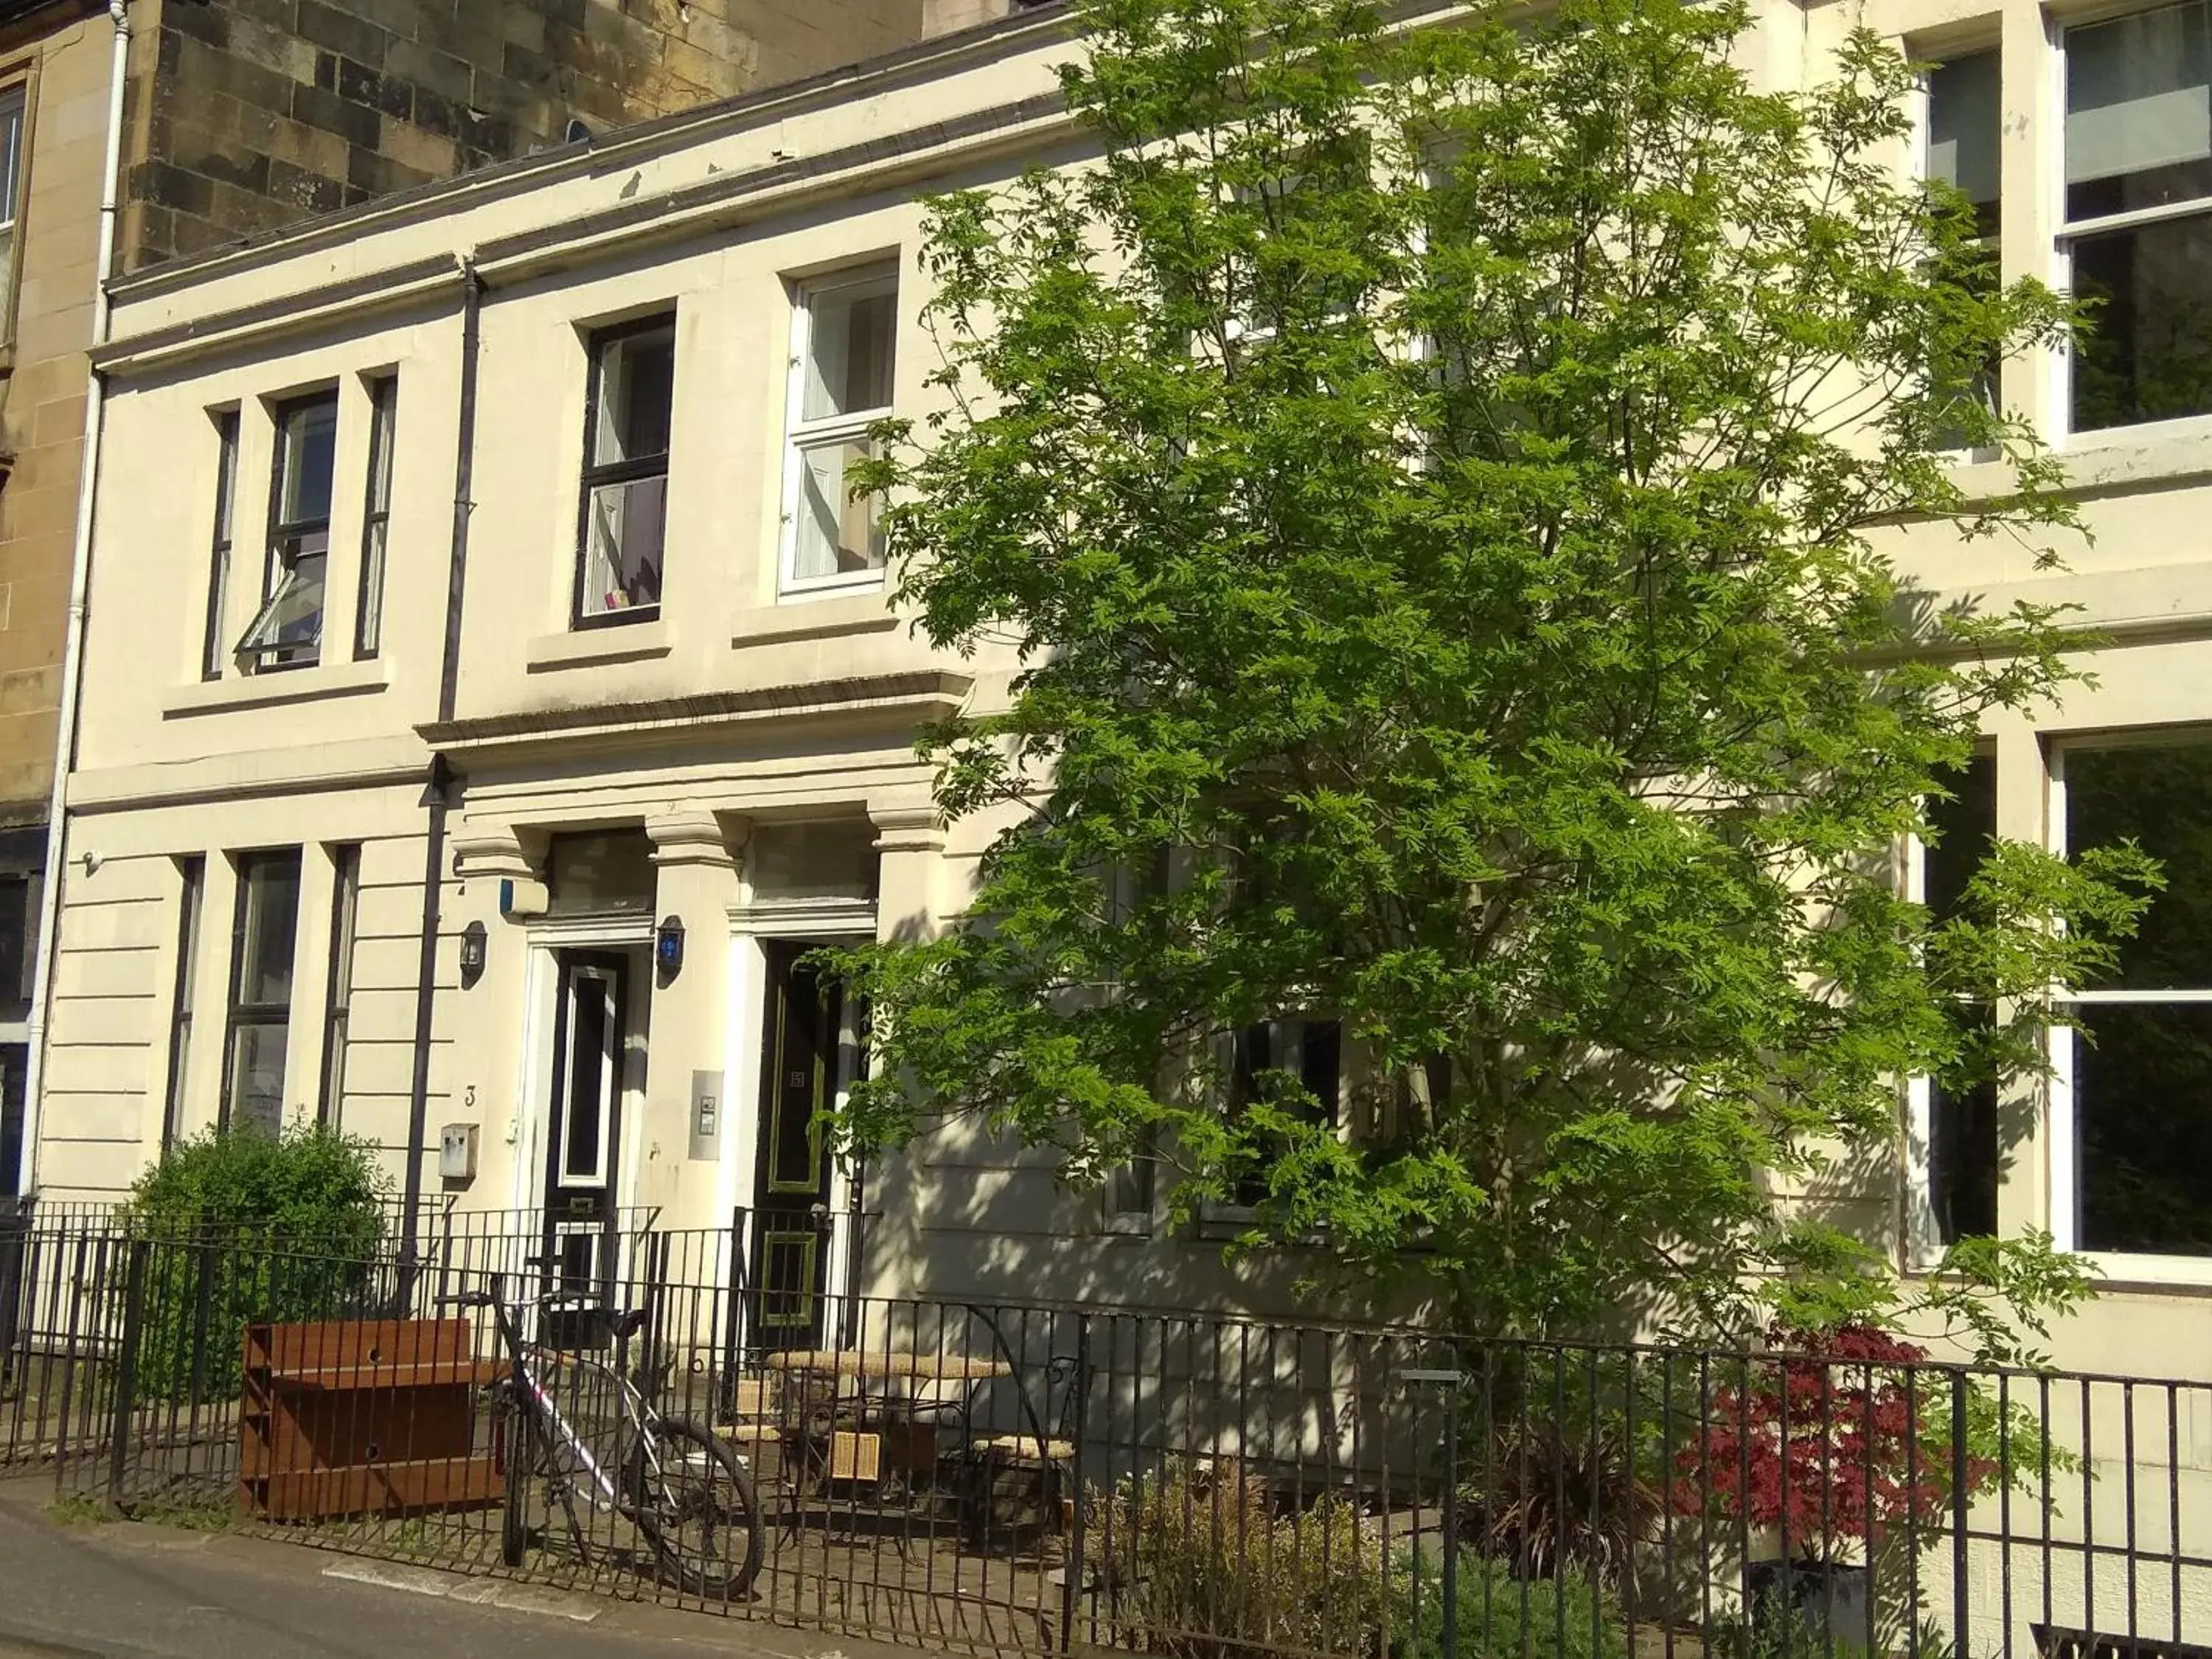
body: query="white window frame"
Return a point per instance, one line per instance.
(801, 434)
(2070, 230)
(2062, 1163)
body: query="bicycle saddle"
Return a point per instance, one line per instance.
(630, 1324)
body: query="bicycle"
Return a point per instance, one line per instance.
(675, 1479)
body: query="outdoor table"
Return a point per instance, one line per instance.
(856, 1445)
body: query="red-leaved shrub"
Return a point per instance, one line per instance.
(1832, 1439)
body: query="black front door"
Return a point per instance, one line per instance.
(583, 1138)
(790, 1189)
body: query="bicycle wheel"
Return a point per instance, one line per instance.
(523, 1466)
(697, 1509)
(540, 1492)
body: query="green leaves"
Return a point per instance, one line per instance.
(1430, 487)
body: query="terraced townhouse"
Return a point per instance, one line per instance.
(489, 692)
(136, 131)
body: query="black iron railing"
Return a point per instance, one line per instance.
(1039, 1476)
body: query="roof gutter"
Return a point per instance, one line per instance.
(65, 732)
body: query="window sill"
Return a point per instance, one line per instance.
(291, 685)
(816, 590)
(2118, 1271)
(809, 618)
(2110, 461)
(597, 645)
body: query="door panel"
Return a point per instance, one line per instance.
(799, 1075)
(581, 1147)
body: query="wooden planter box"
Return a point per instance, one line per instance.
(363, 1417)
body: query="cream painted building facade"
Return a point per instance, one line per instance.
(632, 723)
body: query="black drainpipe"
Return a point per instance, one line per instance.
(440, 781)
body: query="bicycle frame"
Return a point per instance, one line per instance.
(639, 1417)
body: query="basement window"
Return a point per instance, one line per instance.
(287, 632)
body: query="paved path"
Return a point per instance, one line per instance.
(121, 1590)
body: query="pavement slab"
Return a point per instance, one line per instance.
(130, 1590)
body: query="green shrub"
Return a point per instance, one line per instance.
(1206, 1565)
(241, 1228)
(1502, 1617)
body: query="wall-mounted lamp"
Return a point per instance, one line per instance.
(472, 954)
(668, 947)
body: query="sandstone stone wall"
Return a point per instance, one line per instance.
(263, 111)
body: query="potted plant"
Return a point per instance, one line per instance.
(1830, 1446)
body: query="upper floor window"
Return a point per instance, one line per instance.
(287, 632)
(1963, 129)
(225, 505)
(376, 520)
(844, 332)
(2139, 214)
(14, 150)
(624, 511)
(1964, 125)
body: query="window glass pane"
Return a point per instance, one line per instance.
(1962, 828)
(226, 487)
(2160, 796)
(11, 153)
(2143, 1109)
(385, 393)
(1962, 131)
(849, 352)
(289, 628)
(256, 1082)
(637, 385)
(269, 905)
(589, 1040)
(14, 1061)
(1129, 1187)
(1964, 1160)
(592, 871)
(2139, 110)
(180, 1029)
(2147, 352)
(624, 529)
(226, 502)
(345, 904)
(309, 439)
(836, 533)
(14, 929)
(370, 628)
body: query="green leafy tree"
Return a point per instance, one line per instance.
(1441, 486)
